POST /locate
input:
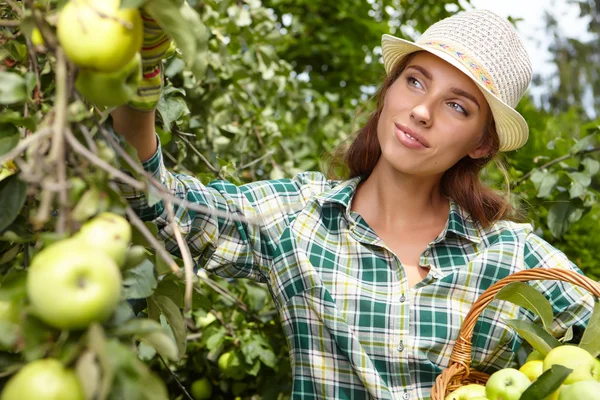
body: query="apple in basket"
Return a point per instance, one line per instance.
(506, 384)
(467, 392)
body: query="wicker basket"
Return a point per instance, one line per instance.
(458, 372)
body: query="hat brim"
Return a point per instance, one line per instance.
(512, 128)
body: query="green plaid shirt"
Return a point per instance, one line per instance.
(355, 329)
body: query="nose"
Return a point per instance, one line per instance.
(421, 115)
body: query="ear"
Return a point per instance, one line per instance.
(481, 151)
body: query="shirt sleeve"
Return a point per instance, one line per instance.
(240, 240)
(572, 305)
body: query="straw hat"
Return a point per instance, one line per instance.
(488, 50)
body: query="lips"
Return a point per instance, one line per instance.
(408, 136)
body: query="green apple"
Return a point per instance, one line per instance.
(582, 363)
(230, 365)
(479, 398)
(506, 384)
(533, 369)
(596, 370)
(534, 355)
(108, 232)
(71, 285)
(44, 379)
(205, 321)
(581, 390)
(36, 37)
(467, 392)
(110, 89)
(99, 35)
(201, 389)
(9, 311)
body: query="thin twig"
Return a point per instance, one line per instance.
(188, 262)
(551, 163)
(36, 69)
(88, 138)
(160, 250)
(196, 151)
(23, 144)
(78, 147)
(9, 23)
(166, 195)
(43, 213)
(176, 379)
(259, 159)
(58, 151)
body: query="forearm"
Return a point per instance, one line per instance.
(137, 128)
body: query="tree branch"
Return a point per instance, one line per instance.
(188, 262)
(9, 23)
(58, 151)
(78, 147)
(160, 250)
(551, 163)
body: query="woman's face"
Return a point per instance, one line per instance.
(433, 116)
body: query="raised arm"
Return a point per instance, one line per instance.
(137, 128)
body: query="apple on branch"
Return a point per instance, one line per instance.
(108, 232)
(99, 35)
(110, 89)
(70, 285)
(45, 379)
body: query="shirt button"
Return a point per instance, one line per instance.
(401, 346)
(405, 396)
(402, 298)
(427, 253)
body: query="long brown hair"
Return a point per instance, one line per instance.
(461, 182)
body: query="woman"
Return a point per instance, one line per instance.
(373, 275)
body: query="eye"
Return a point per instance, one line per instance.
(412, 81)
(457, 107)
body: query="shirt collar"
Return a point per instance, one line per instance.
(459, 221)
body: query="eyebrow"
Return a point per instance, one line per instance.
(454, 90)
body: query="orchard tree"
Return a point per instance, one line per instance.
(235, 106)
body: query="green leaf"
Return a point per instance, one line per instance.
(12, 198)
(162, 343)
(591, 166)
(535, 335)
(13, 88)
(544, 182)
(590, 340)
(183, 24)
(139, 282)
(173, 315)
(152, 387)
(523, 295)
(8, 141)
(171, 109)
(560, 218)
(138, 326)
(579, 183)
(547, 383)
(89, 374)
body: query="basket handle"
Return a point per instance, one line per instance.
(461, 352)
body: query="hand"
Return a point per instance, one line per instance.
(155, 46)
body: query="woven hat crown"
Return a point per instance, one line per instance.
(489, 46)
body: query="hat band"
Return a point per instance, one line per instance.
(477, 71)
